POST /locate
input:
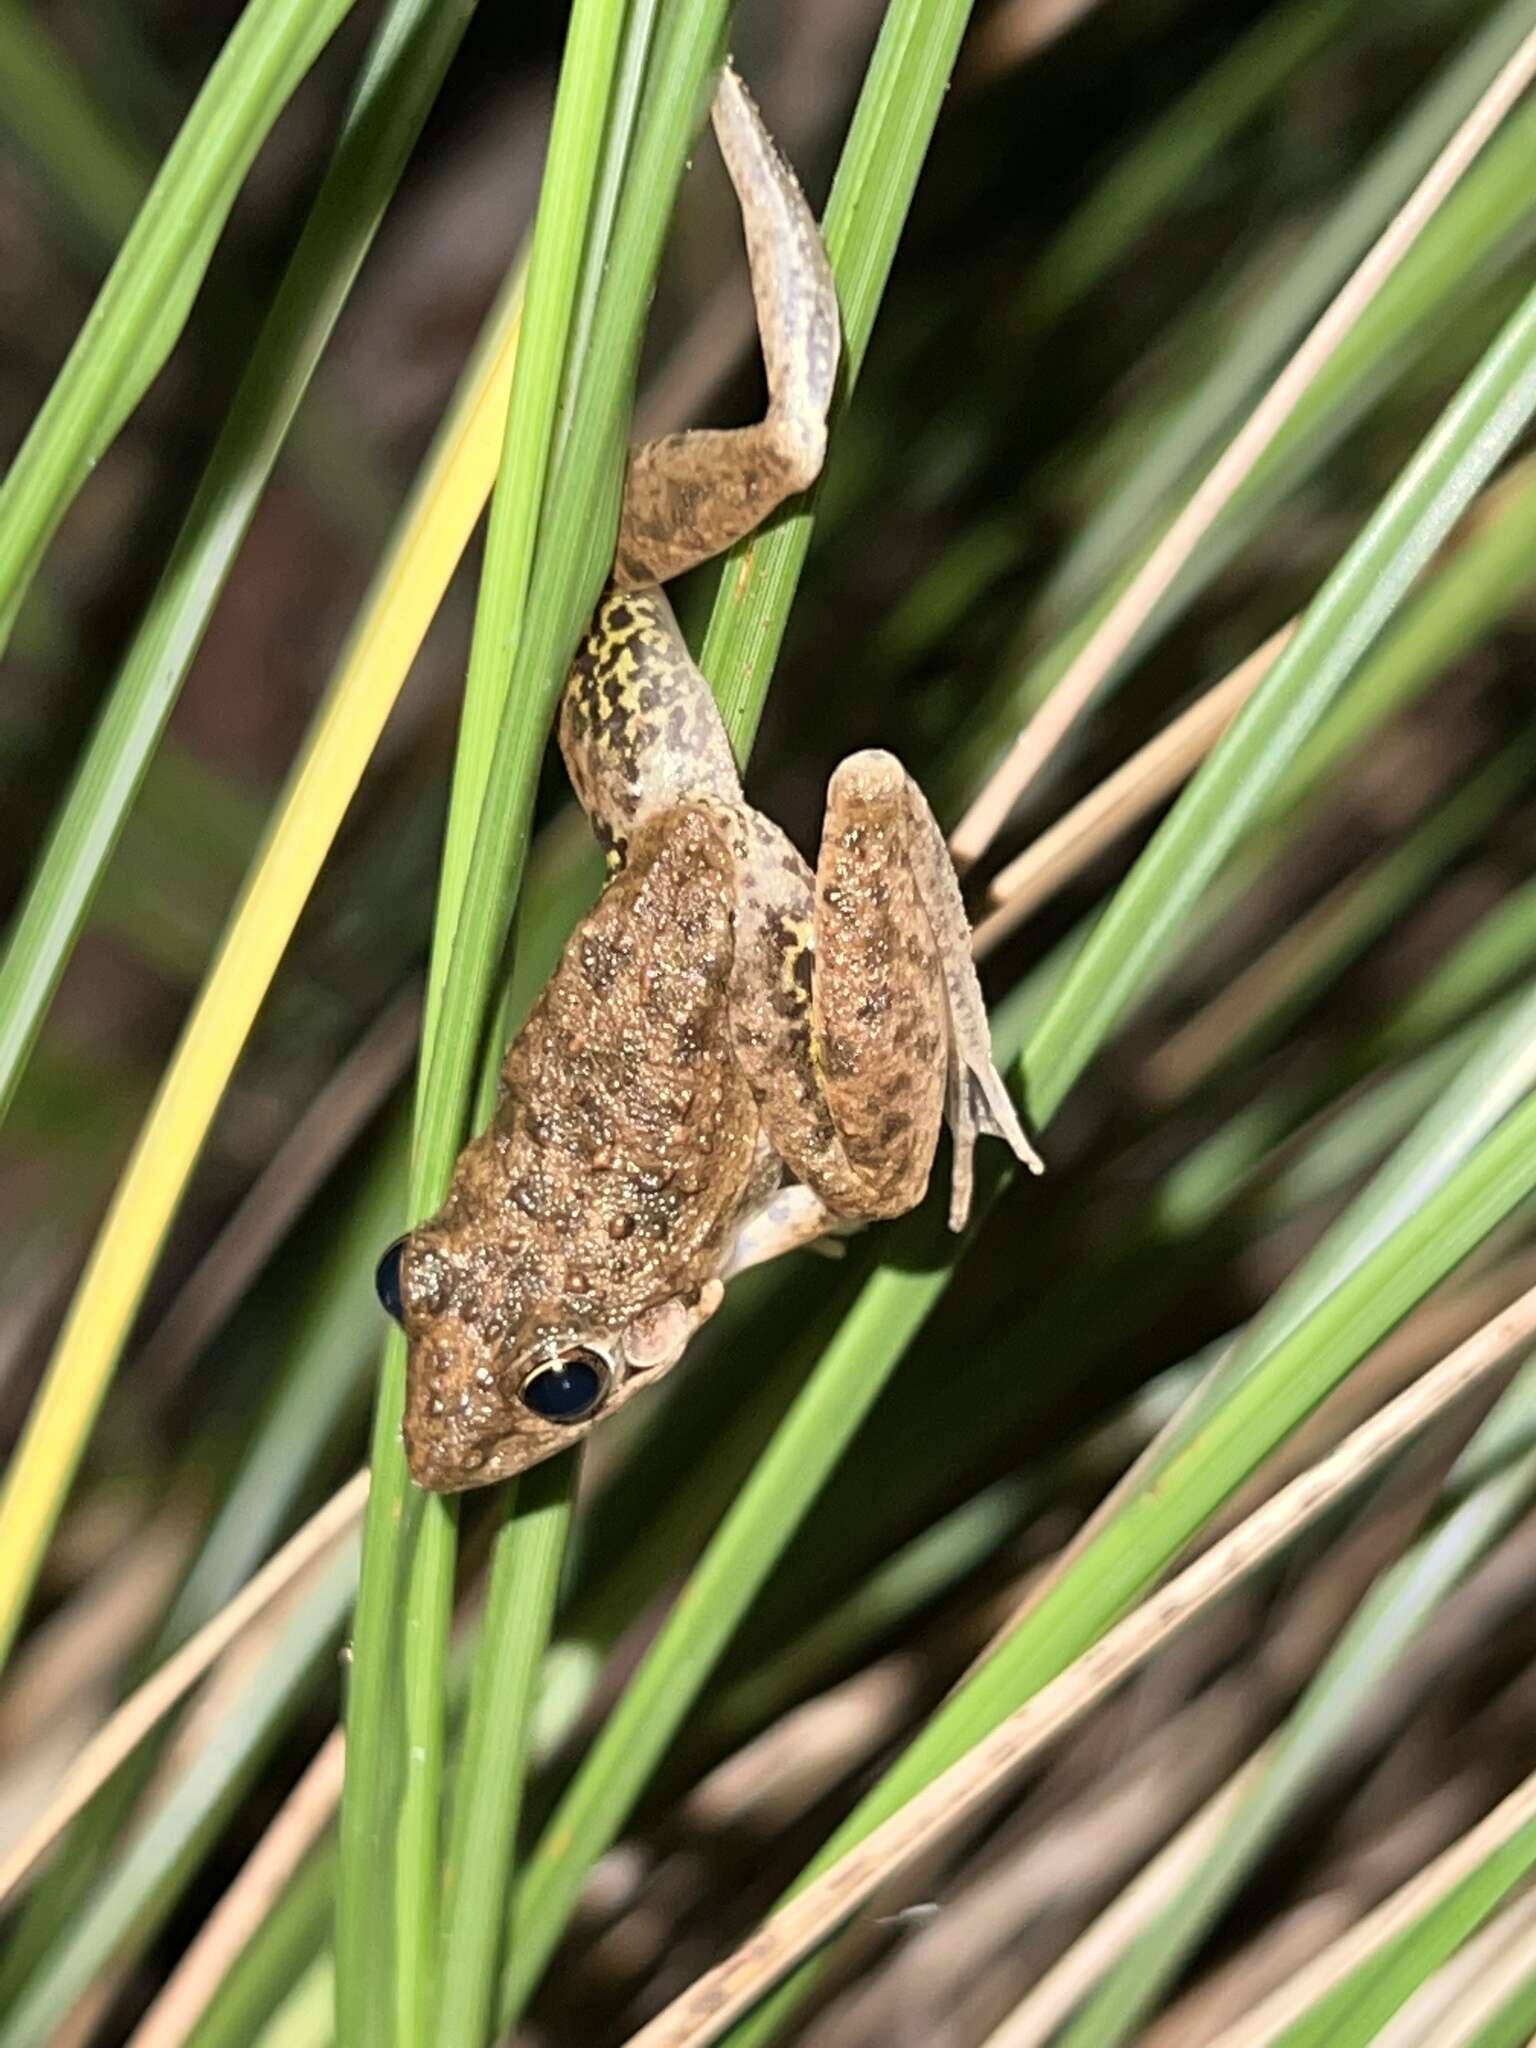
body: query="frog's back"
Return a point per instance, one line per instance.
(625, 1112)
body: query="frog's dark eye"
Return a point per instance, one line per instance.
(386, 1280)
(567, 1389)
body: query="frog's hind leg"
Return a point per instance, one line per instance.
(860, 1021)
(689, 496)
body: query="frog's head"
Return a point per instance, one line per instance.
(496, 1381)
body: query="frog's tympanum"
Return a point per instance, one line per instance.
(735, 1056)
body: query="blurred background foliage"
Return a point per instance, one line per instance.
(1128, 217)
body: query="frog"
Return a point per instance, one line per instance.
(737, 1055)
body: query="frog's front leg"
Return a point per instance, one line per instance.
(856, 1010)
(690, 496)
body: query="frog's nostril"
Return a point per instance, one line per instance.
(568, 1389)
(386, 1280)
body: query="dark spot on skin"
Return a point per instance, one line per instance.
(839, 1056)
(620, 1227)
(600, 963)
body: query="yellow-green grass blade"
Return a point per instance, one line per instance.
(405, 595)
(144, 302)
(319, 1374)
(407, 590)
(395, 91)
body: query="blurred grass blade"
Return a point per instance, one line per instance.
(398, 85)
(401, 605)
(1220, 1447)
(1353, 2014)
(136, 1892)
(1378, 1636)
(1277, 324)
(97, 169)
(149, 291)
(1141, 186)
(1456, 459)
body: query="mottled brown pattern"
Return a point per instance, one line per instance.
(610, 1178)
(722, 1018)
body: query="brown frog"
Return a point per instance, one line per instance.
(735, 1056)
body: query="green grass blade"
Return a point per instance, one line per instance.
(1140, 187)
(1132, 1550)
(149, 291)
(96, 169)
(876, 177)
(1266, 338)
(886, 145)
(285, 1945)
(1143, 917)
(525, 1570)
(528, 605)
(396, 89)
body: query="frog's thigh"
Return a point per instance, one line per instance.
(899, 1028)
(879, 1028)
(869, 793)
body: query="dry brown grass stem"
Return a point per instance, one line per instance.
(304, 1816)
(1108, 645)
(1121, 800)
